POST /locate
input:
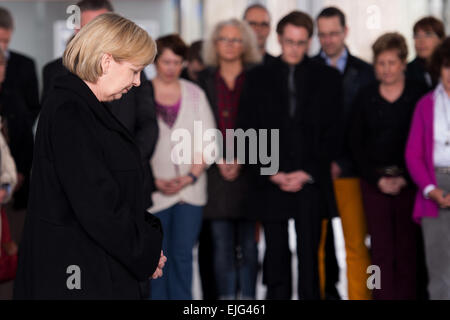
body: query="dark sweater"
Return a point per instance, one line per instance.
(379, 130)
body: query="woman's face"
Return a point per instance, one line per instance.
(118, 78)
(445, 78)
(229, 45)
(425, 42)
(169, 66)
(389, 68)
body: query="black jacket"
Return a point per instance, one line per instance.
(136, 111)
(86, 204)
(417, 71)
(306, 141)
(21, 77)
(357, 74)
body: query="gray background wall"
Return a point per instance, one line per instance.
(34, 20)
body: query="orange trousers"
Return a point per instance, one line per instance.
(351, 211)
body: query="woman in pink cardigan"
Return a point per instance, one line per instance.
(428, 162)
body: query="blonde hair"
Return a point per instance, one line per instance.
(251, 53)
(107, 33)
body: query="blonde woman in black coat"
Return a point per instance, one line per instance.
(87, 234)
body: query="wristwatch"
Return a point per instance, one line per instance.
(194, 178)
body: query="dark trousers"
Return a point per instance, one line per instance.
(277, 259)
(206, 262)
(393, 241)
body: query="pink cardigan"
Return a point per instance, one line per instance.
(419, 156)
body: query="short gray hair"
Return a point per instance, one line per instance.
(251, 54)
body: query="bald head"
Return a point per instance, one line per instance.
(258, 18)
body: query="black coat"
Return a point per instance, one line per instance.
(306, 141)
(357, 75)
(86, 204)
(417, 71)
(21, 77)
(136, 111)
(226, 200)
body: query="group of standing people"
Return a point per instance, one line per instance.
(344, 127)
(112, 194)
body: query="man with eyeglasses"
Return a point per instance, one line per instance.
(332, 33)
(258, 17)
(428, 34)
(301, 99)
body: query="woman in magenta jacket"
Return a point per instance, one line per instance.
(428, 161)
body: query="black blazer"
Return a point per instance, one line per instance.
(357, 75)
(306, 141)
(21, 77)
(86, 204)
(136, 111)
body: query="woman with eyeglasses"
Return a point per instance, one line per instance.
(428, 34)
(229, 52)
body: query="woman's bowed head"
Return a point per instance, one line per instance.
(108, 54)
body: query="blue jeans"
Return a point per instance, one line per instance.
(235, 258)
(181, 225)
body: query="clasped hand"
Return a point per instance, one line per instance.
(437, 195)
(159, 272)
(392, 185)
(291, 182)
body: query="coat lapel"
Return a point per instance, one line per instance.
(101, 111)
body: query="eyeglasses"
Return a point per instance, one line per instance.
(292, 43)
(229, 40)
(333, 34)
(427, 35)
(259, 24)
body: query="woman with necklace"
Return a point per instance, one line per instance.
(179, 176)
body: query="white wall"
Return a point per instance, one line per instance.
(34, 20)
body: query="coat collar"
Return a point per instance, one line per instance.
(101, 110)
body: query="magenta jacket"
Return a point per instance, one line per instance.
(419, 156)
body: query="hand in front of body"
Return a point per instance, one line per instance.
(10, 248)
(172, 186)
(159, 272)
(291, 182)
(20, 180)
(3, 194)
(392, 186)
(335, 170)
(437, 195)
(229, 171)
